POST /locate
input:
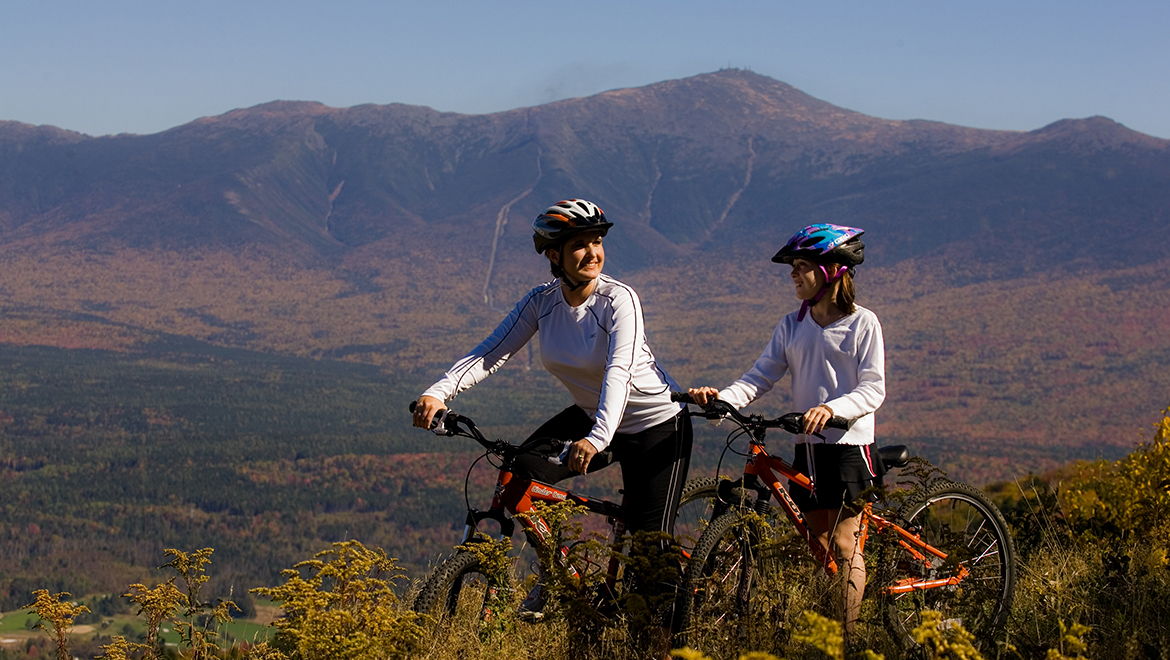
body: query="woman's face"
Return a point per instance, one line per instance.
(807, 277)
(582, 256)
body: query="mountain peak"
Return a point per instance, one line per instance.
(1097, 131)
(272, 110)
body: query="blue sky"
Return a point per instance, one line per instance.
(115, 66)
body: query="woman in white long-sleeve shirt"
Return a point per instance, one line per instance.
(834, 351)
(593, 339)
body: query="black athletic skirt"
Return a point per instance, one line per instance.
(841, 475)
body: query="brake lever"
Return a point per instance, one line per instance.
(439, 424)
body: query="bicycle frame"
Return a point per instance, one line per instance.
(512, 497)
(762, 473)
(517, 497)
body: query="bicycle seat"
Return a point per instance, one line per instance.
(894, 456)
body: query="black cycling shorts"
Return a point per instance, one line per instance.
(841, 476)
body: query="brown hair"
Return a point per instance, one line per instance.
(845, 293)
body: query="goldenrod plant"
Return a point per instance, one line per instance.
(157, 604)
(496, 565)
(821, 633)
(60, 613)
(199, 622)
(119, 648)
(945, 640)
(198, 638)
(341, 605)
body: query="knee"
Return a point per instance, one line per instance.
(845, 542)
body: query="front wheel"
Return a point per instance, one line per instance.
(696, 509)
(716, 594)
(973, 586)
(460, 590)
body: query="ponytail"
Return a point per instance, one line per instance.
(846, 294)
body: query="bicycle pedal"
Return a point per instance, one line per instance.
(531, 617)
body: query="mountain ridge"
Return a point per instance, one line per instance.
(396, 235)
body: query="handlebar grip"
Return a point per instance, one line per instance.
(839, 423)
(439, 422)
(681, 397)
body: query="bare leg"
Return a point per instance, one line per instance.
(843, 531)
(852, 566)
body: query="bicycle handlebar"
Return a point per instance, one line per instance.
(792, 422)
(447, 423)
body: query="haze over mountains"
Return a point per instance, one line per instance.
(1019, 275)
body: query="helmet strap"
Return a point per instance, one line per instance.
(829, 279)
(571, 285)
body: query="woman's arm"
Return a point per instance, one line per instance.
(626, 336)
(508, 338)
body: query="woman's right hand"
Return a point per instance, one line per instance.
(425, 411)
(702, 395)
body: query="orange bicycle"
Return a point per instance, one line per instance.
(947, 548)
(462, 587)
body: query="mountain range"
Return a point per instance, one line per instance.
(1019, 275)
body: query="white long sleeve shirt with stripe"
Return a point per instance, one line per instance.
(842, 366)
(598, 350)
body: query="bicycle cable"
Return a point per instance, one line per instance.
(731, 437)
(467, 480)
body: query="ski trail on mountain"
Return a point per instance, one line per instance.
(647, 214)
(501, 222)
(747, 180)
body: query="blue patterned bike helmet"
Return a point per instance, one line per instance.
(824, 243)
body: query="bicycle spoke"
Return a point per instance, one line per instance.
(960, 522)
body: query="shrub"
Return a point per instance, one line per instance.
(1094, 553)
(343, 607)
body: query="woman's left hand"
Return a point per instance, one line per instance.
(580, 454)
(816, 418)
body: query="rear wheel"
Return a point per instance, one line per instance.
(980, 559)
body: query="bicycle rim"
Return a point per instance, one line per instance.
(961, 522)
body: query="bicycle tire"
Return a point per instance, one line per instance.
(695, 510)
(962, 522)
(459, 589)
(719, 584)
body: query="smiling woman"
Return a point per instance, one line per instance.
(593, 339)
(579, 260)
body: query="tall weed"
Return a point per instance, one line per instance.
(1094, 546)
